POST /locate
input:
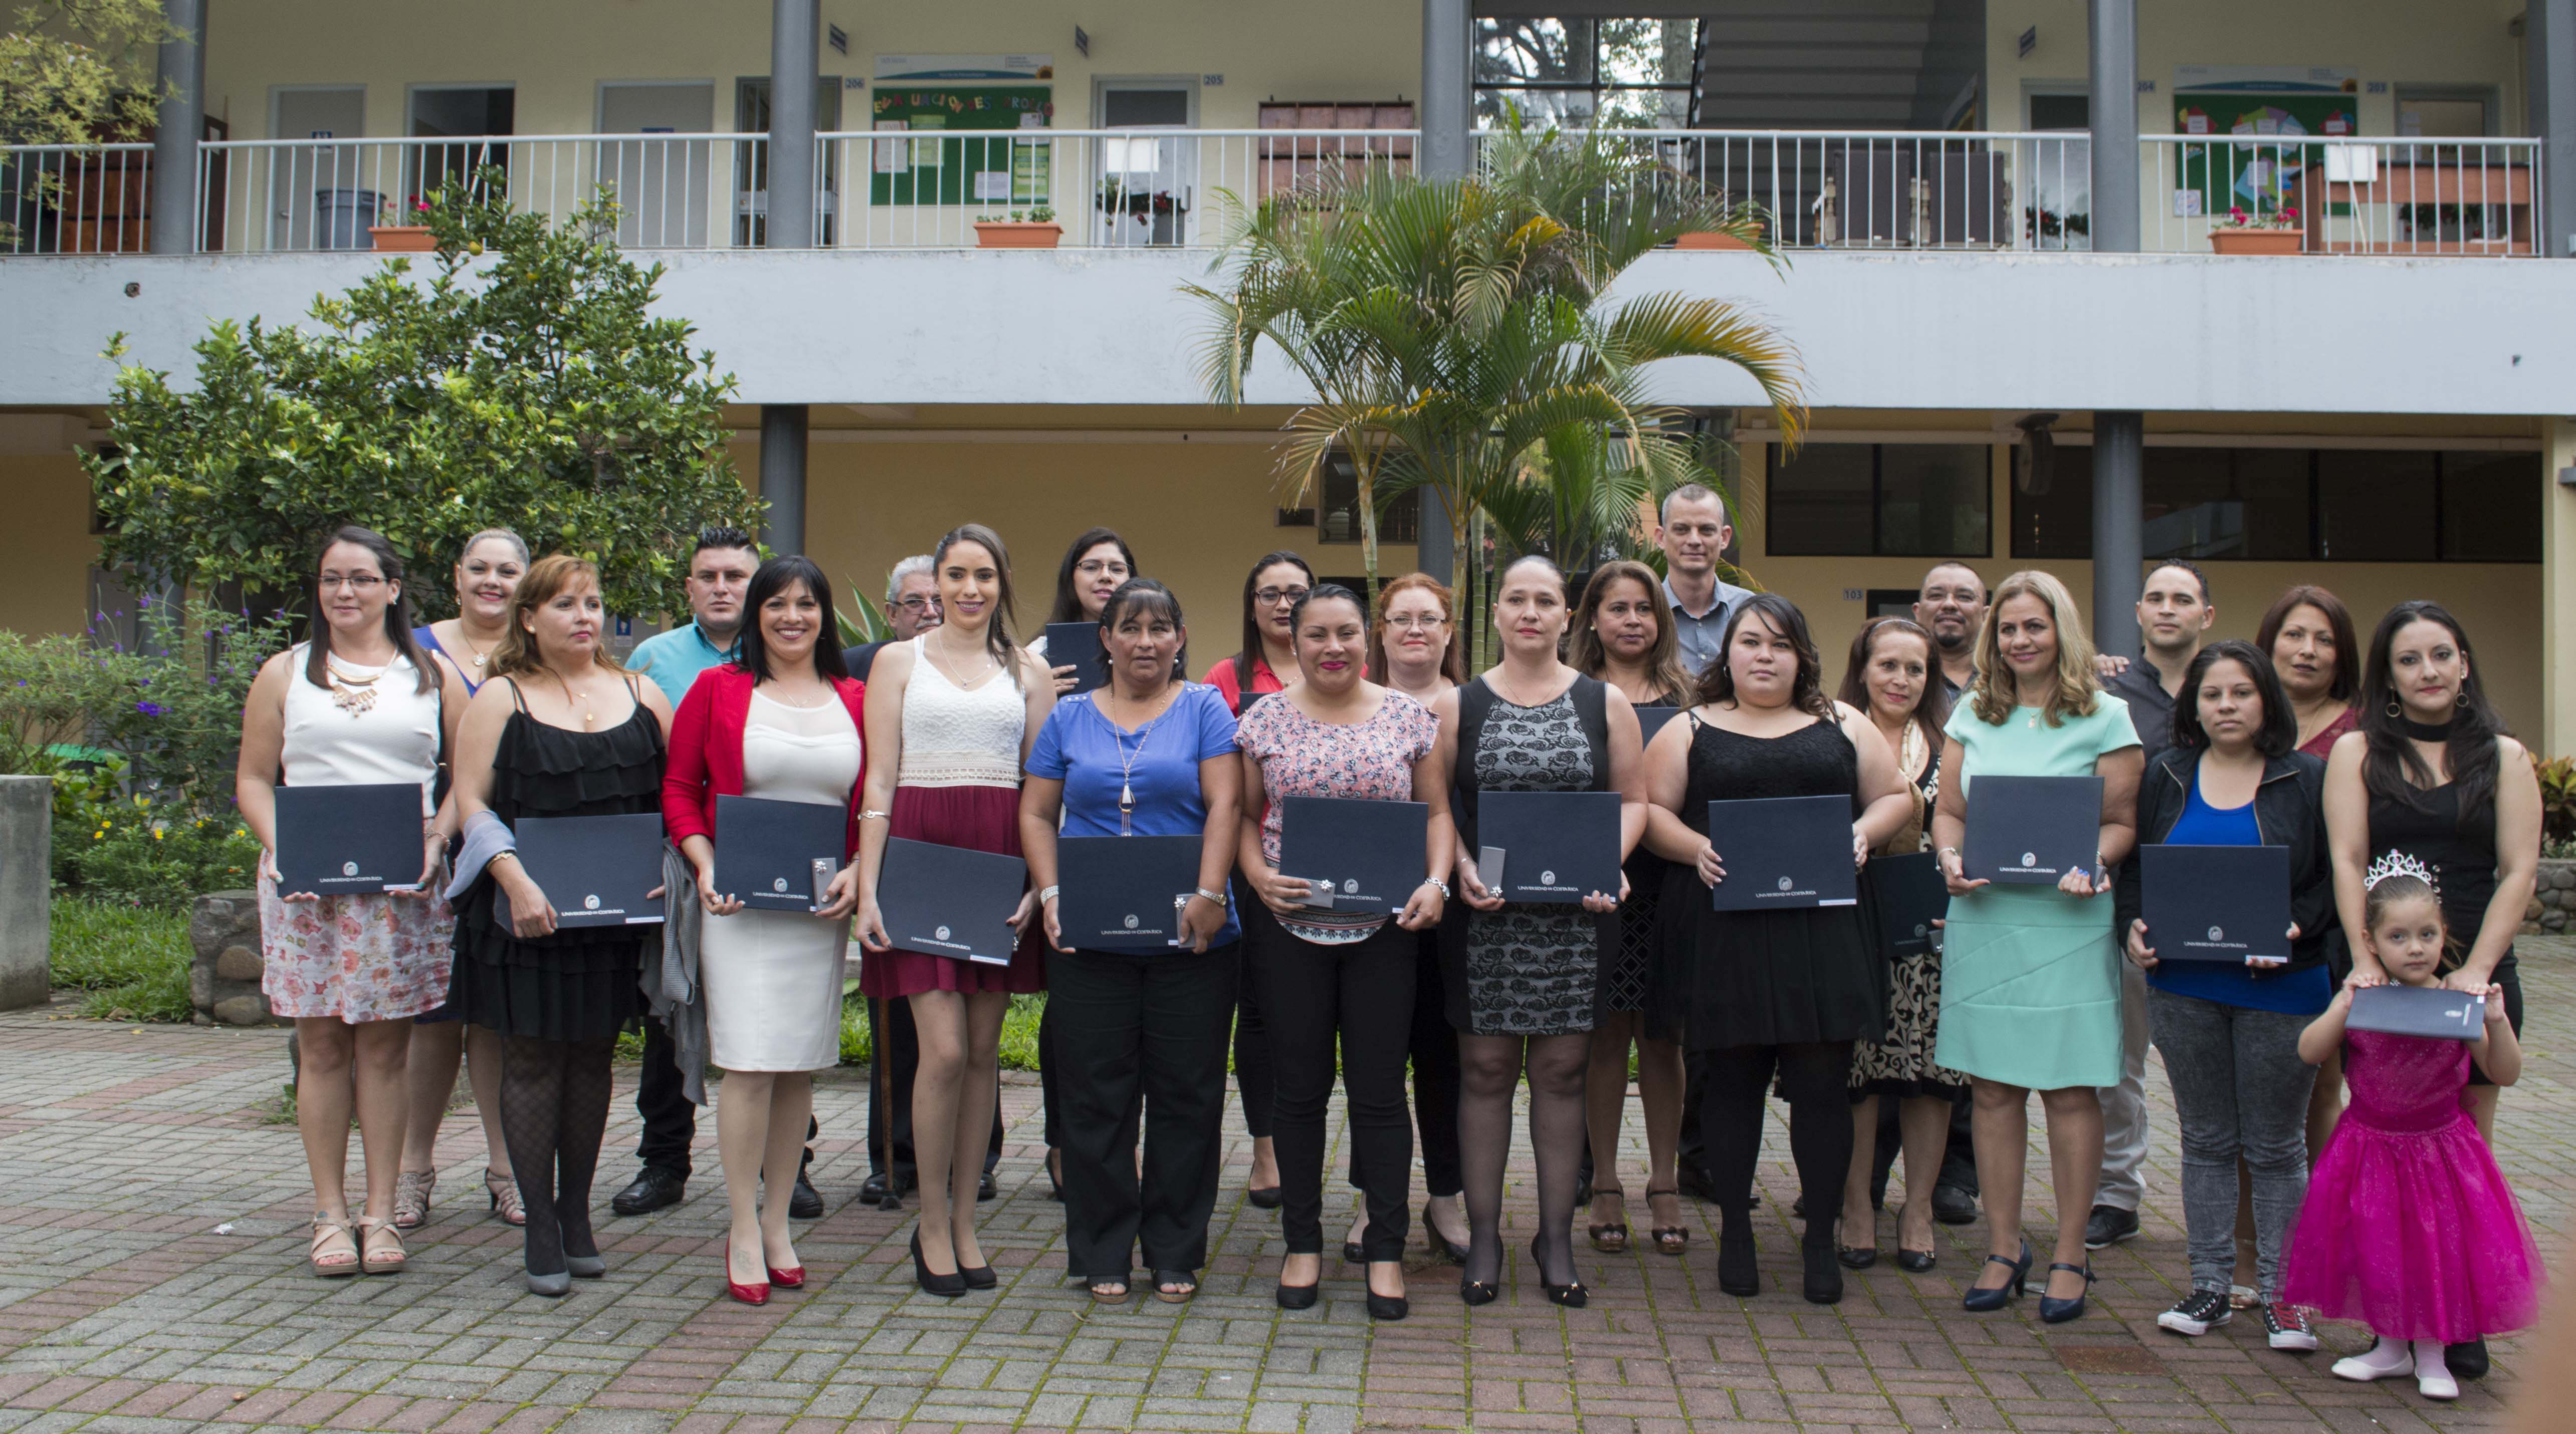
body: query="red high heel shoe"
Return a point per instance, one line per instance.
(792, 1278)
(749, 1294)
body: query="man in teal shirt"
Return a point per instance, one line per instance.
(720, 572)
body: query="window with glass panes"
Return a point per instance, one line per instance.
(1616, 72)
(2349, 505)
(1878, 499)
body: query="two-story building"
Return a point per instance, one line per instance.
(2001, 219)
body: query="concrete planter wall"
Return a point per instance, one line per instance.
(26, 891)
(2553, 900)
(223, 977)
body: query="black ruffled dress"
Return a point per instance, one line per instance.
(579, 984)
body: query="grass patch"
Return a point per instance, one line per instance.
(130, 962)
(1019, 1047)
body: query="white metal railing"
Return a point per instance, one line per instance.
(2345, 195)
(1122, 188)
(75, 198)
(673, 191)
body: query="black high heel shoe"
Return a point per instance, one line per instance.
(1439, 1243)
(1981, 1300)
(1824, 1272)
(2054, 1311)
(947, 1287)
(979, 1277)
(1572, 1295)
(1738, 1271)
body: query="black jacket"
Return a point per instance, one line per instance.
(2289, 810)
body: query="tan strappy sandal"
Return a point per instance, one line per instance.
(504, 1191)
(375, 1259)
(411, 1198)
(331, 1238)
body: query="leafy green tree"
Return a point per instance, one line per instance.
(79, 71)
(521, 383)
(1457, 334)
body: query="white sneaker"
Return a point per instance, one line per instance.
(2386, 1359)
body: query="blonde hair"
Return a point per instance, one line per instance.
(547, 578)
(1997, 693)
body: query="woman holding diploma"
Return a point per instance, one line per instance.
(1332, 979)
(546, 738)
(780, 722)
(359, 704)
(1787, 991)
(1623, 635)
(1098, 564)
(2030, 990)
(951, 715)
(2308, 635)
(487, 574)
(2230, 1032)
(1147, 755)
(1524, 980)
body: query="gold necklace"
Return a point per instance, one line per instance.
(350, 694)
(479, 654)
(588, 716)
(946, 666)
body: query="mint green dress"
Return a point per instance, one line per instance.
(2030, 978)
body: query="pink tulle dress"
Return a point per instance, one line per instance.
(2409, 1226)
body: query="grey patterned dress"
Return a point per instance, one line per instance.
(1532, 970)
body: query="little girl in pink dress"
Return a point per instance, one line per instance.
(2408, 1226)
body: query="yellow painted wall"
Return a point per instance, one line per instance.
(44, 585)
(2558, 597)
(1197, 515)
(555, 54)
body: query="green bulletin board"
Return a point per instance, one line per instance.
(953, 133)
(2254, 178)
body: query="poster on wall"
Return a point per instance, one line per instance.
(952, 153)
(2276, 107)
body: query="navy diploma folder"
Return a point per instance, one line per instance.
(334, 841)
(1361, 855)
(2215, 903)
(769, 854)
(1911, 896)
(950, 901)
(1651, 720)
(2418, 1011)
(593, 870)
(1124, 893)
(2030, 831)
(1557, 846)
(1077, 643)
(1783, 852)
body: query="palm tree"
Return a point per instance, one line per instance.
(1456, 334)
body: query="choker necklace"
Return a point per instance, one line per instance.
(2426, 731)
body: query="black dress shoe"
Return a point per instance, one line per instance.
(985, 1188)
(1824, 1275)
(805, 1202)
(1297, 1297)
(1388, 1307)
(2109, 1225)
(873, 1191)
(1738, 1271)
(1953, 1205)
(1915, 1262)
(1263, 1197)
(2466, 1361)
(1856, 1257)
(653, 1190)
(1696, 1182)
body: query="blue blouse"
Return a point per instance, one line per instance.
(2293, 993)
(1079, 747)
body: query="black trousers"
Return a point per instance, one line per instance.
(1144, 1027)
(894, 1054)
(670, 1121)
(1256, 1078)
(1432, 1044)
(1354, 1000)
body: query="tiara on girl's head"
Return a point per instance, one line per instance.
(2398, 863)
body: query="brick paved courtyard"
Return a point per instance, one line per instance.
(151, 1278)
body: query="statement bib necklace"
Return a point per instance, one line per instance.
(352, 695)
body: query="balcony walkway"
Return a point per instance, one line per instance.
(122, 1308)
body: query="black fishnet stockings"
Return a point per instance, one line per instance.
(554, 1111)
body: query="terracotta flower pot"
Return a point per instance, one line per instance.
(2256, 241)
(1003, 234)
(403, 238)
(1709, 239)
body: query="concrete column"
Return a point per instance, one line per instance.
(26, 890)
(2119, 450)
(782, 476)
(792, 27)
(2557, 588)
(2549, 53)
(181, 123)
(2115, 126)
(1448, 101)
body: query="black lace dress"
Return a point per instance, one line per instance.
(1770, 978)
(578, 984)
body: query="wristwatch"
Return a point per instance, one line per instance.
(1216, 896)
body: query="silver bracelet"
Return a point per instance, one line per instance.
(1048, 894)
(1437, 884)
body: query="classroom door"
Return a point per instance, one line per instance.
(1147, 185)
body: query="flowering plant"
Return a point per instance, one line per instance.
(1118, 197)
(2284, 217)
(394, 212)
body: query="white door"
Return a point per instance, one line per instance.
(662, 185)
(1146, 190)
(318, 196)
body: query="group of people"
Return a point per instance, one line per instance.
(2411, 822)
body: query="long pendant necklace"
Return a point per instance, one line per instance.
(588, 714)
(1127, 764)
(479, 654)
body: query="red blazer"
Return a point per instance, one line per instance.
(706, 751)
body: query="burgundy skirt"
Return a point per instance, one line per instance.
(979, 819)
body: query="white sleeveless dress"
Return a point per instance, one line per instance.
(773, 978)
(365, 956)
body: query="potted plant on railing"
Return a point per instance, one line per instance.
(392, 236)
(2274, 232)
(1155, 211)
(1021, 229)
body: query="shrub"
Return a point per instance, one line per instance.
(2557, 799)
(182, 730)
(132, 962)
(132, 852)
(57, 690)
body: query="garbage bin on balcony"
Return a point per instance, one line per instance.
(341, 218)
